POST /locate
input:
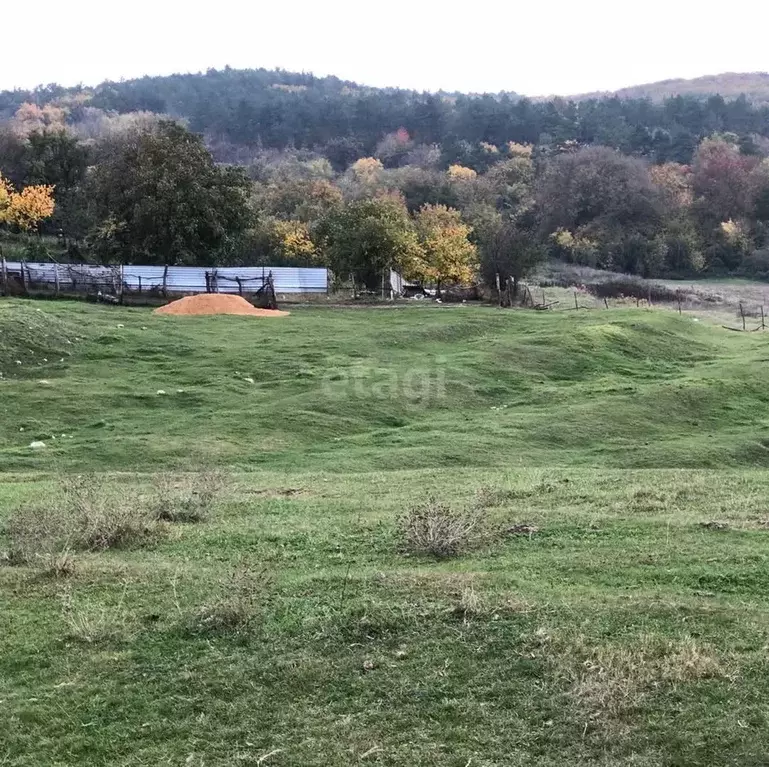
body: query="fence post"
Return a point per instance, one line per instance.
(678, 296)
(742, 314)
(240, 286)
(56, 278)
(763, 326)
(606, 302)
(122, 283)
(5, 275)
(165, 282)
(140, 284)
(23, 278)
(576, 304)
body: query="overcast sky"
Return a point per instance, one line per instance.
(532, 48)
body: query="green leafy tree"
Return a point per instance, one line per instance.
(56, 158)
(367, 237)
(509, 246)
(159, 197)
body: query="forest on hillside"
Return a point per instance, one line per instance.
(257, 166)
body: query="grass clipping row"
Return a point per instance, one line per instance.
(216, 303)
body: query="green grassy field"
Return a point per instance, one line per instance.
(625, 630)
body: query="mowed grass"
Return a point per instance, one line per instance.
(626, 629)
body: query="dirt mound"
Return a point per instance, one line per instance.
(216, 303)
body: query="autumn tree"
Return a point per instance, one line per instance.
(159, 197)
(721, 180)
(393, 148)
(304, 200)
(25, 209)
(446, 254)
(682, 241)
(30, 118)
(367, 169)
(366, 238)
(460, 173)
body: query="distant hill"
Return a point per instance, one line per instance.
(730, 85)
(243, 111)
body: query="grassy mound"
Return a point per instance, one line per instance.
(31, 338)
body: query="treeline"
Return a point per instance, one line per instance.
(344, 121)
(446, 189)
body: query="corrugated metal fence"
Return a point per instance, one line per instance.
(79, 278)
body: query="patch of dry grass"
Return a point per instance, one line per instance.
(91, 623)
(238, 605)
(607, 682)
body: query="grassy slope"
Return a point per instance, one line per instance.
(624, 633)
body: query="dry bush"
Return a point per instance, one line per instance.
(53, 564)
(186, 497)
(633, 287)
(440, 531)
(58, 565)
(237, 607)
(86, 514)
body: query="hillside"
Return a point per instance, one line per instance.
(754, 86)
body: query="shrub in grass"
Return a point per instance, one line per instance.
(633, 287)
(237, 607)
(85, 514)
(437, 530)
(186, 497)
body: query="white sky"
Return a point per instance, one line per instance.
(536, 48)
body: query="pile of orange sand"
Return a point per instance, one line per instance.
(216, 303)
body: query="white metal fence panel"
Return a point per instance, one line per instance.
(177, 279)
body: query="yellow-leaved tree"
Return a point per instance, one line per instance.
(367, 169)
(27, 208)
(460, 173)
(293, 241)
(447, 255)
